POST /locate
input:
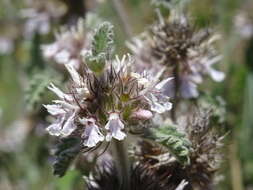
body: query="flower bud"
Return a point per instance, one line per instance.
(142, 114)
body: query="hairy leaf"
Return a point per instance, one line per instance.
(38, 86)
(102, 47)
(176, 142)
(65, 153)
(103, 39)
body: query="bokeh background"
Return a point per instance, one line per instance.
(25, 157)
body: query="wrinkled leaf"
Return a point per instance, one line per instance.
(65, 153)
(103, 40)
(176, 142)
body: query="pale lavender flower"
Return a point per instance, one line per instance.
(39, 15)
(243, 25)
(157, 99)
(65, 110)
(65, 113)
(90, 99)
(6, 45)
(216, 75)
(91, 134)
(115, 127)
(37, 22)
(68, 46)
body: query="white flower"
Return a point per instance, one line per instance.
(74, 74)
(62, 127)
(65, 110)
(115, 125)
(69, 126)
(188, 89)
(36, 21)
(55, 109)
(49, 50)
(58, 92)
(91, 134)
(158, 99)
(55, 128)
(68, 46)
(158, 103)
(6, 45)
(162, 86)
(62, 56)
(217, 76)
(243, 25)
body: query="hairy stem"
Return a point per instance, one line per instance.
(122, 163)
(176, 88)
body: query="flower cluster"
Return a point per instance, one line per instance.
(68, 46)
(106, 105)
(243, 25)
(205, 156)
(187, 54)
(39, 16)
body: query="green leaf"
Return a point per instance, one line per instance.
(38, 87)
(103, 40)
(65, 153)
(102, 48)
(96, 63)
(175, 141)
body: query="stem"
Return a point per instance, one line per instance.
(176, 88)
(123, 17)
(122, 163)
(235, 165)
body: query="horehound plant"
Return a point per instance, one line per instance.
(185, 150)
(105, 101)
(109, 101)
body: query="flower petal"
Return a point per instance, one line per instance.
(114, 125)
(55, 109)
(56, 90)
(74, 74)
(162, 85)
(54, 129)
(69, 126)
(217, 76)
(188, 89)
(49, 50)
(92, 134)
(62, 57)
(159, 103)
